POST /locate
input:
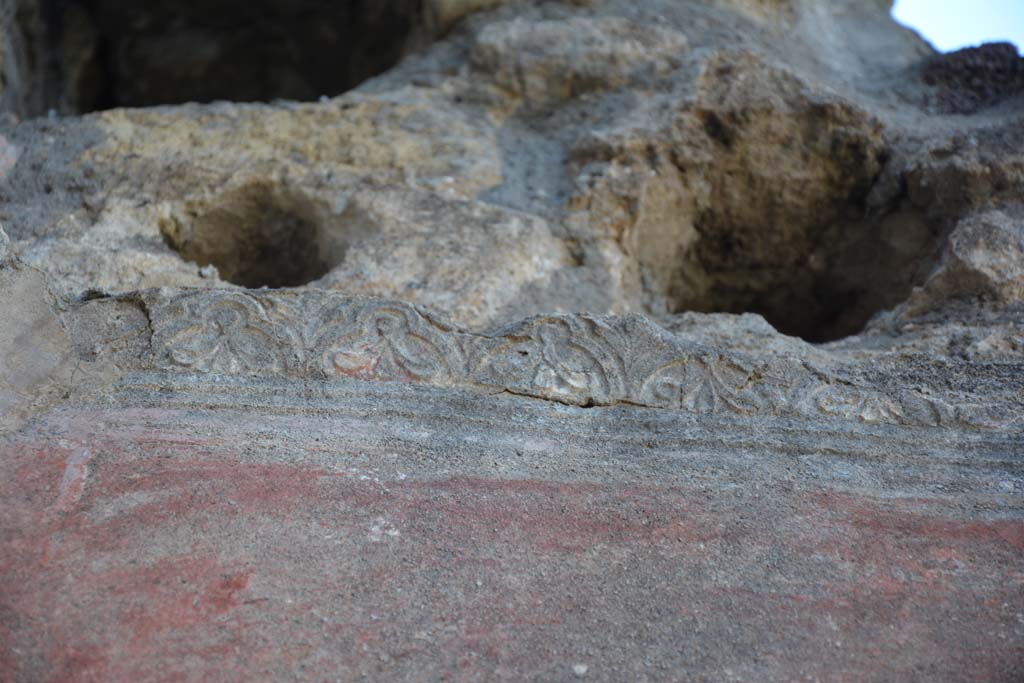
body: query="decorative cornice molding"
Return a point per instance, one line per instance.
(574, 359)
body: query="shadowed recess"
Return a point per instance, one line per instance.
(258, 236)
(817, 258)
(126, 53)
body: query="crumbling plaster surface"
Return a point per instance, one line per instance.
(790, 159)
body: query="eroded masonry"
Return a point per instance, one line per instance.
(469, 339)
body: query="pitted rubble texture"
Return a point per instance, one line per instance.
(483, 340)
(786, 159)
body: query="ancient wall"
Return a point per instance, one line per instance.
(630, 340)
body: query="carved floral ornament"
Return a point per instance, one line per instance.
(230, 334)
(578, 360)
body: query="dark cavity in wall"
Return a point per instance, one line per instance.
(825, 289)
(260, 235)
(790, 220)
(125, 53)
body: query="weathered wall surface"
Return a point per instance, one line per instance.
(404, 534)
(790, 159)
(623, 340)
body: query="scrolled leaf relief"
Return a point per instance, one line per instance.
(705, 383)
(230, 334)
(577, 360)
(561, 359)
(384, 343)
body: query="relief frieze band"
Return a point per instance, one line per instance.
(575, 359)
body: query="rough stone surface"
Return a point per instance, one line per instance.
(597, 339)
(37, 360)
(661, 157)
(384, 530)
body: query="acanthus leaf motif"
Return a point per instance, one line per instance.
(385, 342)
(563, 359)
(577, 360)
(228, 333)
(703, 383)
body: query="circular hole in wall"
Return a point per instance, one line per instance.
(256, 236)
